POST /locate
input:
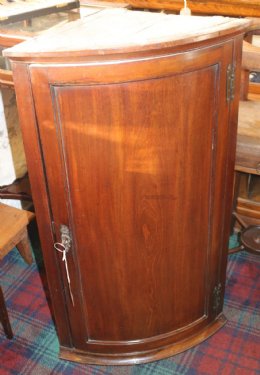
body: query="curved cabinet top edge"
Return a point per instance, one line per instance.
(120, 31)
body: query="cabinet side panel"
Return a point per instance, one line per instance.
(32, 145)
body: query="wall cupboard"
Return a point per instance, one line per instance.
(129, 125)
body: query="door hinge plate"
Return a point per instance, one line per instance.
(230, 82)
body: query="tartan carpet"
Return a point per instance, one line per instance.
(235, 349)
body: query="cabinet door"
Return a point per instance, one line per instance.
(135, 156)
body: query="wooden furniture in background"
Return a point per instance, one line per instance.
(19, 189)
(131, 163)
(19, 21)
(22, 20)
(13, 233)
(235, 8)
(247, 165)
(24, 10)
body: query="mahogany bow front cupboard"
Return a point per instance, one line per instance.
(129, 125)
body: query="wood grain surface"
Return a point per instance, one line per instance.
(134, 153)
(237, 8)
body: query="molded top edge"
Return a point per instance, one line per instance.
(119, 30)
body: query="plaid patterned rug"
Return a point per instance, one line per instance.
(234, 350)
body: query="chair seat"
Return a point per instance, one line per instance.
(248, 138)
(13, 225)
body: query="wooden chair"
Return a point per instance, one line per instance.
(13, 233)
(248, 146)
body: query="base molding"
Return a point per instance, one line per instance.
(134, 358)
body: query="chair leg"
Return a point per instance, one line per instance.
(235, 216)
(237, 179)
(4, 317)
(24, 248)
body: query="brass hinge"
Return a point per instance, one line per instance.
(217, 292)
(230, 82)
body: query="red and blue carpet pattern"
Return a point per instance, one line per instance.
(234, 350)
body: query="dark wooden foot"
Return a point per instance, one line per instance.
(4, 317)
(24, 248)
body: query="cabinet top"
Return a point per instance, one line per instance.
(118, 30)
